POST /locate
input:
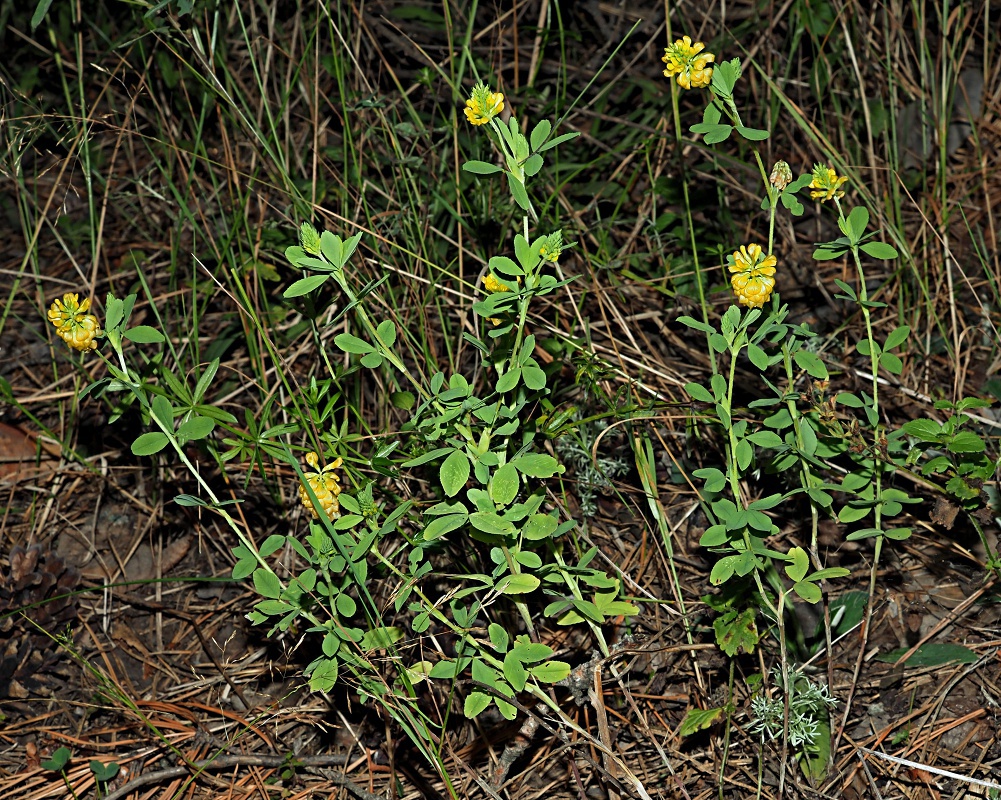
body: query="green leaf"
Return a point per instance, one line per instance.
(932, 655)
(714, 536)
(757, 356)
(515, 672)
(767, 439)
(715, 480)
(488, 522)
(267, 584)
(382, 638)
(58, 760)
(810, 592)
(827, 253)
(504, 485)
(306, 579)
(149, 443)
(509, 380)
(696, 324)
(767, 502)
(273, 608)
(305, 285)
(517, 584)
(475, 704)
(103, 772)
(537, 465)
(713, 133)
(243, 567)
(879, 250)
(897, 337)
(454, 473)
(533, 164)
(829, 573)
(518, 192)
(566, 137)
(848, 290)
(535, 378)
(550, 672)
(190, 501)
(864, 533)
(36, 19)
(323, 675)
(698, 719)
(352, 344)
(144, 334)
(736, 632)
(530, 652)
(481, 168)
(923, 429)
(891, 363)
(271, 544)
(386, 331)
(443, 525)
(744, 454)
(539, 526)
(163, 412)
(814, 759)
(849, 399)
(811, 364)
(752, 134)
(402, 400)
(853, 512)
(195, 428)
(723, 570)
(858, 219)
(346, 606)
(498, 637)
(431, 455)
(966, 442)
(698, 392)
(540, 133)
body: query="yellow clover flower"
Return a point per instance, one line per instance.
(325, 485)
(689, 63)
(552, 247)
(483, 105)
(493, 284)
(73, 324)
(827, 184)
(753, 275)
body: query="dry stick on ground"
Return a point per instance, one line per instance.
(225, 762)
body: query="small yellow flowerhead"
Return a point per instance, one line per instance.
(827, 183)
(552, 247)
(689, 63)
(493, 284)
(483, 105)
(781, 175)
(325, 484)
(753, 275)
(73, 324)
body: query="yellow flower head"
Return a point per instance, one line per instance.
(493, 284)
(753, 275)
(483, 105)
(827, 184)
(781, 175)
(73, 324)
(325, 485)
(689, 63)
(552, 247)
